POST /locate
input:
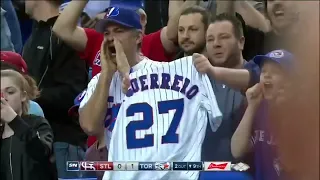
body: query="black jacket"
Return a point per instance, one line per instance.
(25, 155)
(61, 75)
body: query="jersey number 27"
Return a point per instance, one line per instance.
(163, 107)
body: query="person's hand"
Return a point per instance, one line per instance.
(254, 95)
(88, 22)
(201, 63)
(125, 84)
(121, 59)
(122, 65)
(7, 113)
(108, 62)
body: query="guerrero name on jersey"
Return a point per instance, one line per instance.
(163, 118)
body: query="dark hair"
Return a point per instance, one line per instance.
(234, 20)
(198, 9)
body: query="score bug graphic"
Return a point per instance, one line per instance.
(162, 166)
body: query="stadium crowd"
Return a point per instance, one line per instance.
(58, 100)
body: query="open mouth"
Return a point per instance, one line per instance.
(112, 50)
(268, 85)
(279, 13)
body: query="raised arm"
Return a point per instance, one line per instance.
(66, 27)
(225, 6)
(92, 114)
(235, 78)
(94, 106)
(240, 79)
(251, 16)
(242, 141)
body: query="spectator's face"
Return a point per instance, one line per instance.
(281, 13)
(273, 79)
(221, 43)
(29, 6)
(191, 33)
(12, 93)
(128, 37)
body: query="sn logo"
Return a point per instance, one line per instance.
(73, 166)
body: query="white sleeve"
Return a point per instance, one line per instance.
(90, 89)
(209, 102)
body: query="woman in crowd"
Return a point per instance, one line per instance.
(26, 140)
(14, 61)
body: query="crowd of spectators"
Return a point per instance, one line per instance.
(51, 50)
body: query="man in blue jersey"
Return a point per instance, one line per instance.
(254, 131)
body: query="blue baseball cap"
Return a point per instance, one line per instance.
(74, 109)
(124, 16)
(282, 57)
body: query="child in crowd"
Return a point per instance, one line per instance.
(256, 130)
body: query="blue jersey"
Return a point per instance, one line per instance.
(267, 163)
(255, 71)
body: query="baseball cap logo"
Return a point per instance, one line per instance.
(114, 11)
(277, 54)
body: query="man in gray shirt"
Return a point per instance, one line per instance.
(224, 45)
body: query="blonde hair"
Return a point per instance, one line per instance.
(26, 83)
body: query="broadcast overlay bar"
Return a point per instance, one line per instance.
(154, 166)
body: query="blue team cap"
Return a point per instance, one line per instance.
(282, 57)
(74, 109)
(124, 16)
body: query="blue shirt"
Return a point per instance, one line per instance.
(13, 23)
(254, 70)
(6, 43)
(267, 164)
(35, 109)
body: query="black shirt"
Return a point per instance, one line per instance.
(61, 75)
(25, 154)
(5, 159)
